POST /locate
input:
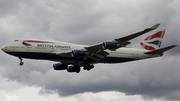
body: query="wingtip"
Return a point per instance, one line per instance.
(174, 45)
(155, 26)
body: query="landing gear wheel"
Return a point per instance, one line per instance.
(88, 67)
(78, 70)
(21, 63)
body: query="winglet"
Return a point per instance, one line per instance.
(155, 26)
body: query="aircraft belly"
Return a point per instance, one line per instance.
(43, 56)
(116, 59)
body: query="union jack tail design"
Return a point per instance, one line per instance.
(153, 41)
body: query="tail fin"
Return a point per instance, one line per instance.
(153, 41)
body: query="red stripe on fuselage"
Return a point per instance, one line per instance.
(34, 41)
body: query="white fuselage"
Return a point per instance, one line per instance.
(48, 50)
(71, 57)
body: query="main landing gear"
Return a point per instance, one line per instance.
(21, 63)
(88, 67)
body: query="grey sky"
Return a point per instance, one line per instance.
(90, 22)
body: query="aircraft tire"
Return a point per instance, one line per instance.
(21, 63)
(78, 70)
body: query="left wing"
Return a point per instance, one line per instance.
(121, 42)
(97, 51)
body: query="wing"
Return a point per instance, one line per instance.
(98, 51)
(132, 36)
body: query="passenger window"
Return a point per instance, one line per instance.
(12, 47)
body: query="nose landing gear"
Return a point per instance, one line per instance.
(21, 63)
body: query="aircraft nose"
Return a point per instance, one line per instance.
(3, 48)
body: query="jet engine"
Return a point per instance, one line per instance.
(110, 45)
(78, 53)
(59, 66)
(72, 68)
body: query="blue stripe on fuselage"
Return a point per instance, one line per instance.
(53, 56)
(26, 44)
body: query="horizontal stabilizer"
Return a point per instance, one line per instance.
(158, 51)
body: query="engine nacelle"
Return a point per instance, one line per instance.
(71, 68)
(78, 53)
(110, 45)
(59, 66)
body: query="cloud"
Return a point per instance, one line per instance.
(90, 22)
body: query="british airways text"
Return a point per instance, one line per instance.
(53, 46)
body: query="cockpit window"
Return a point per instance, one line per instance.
(16, 40)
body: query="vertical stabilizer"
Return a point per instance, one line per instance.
(153, 41)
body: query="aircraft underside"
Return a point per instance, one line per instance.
(71, 64)
(54, 57)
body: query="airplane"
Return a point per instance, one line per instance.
(72, 57)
